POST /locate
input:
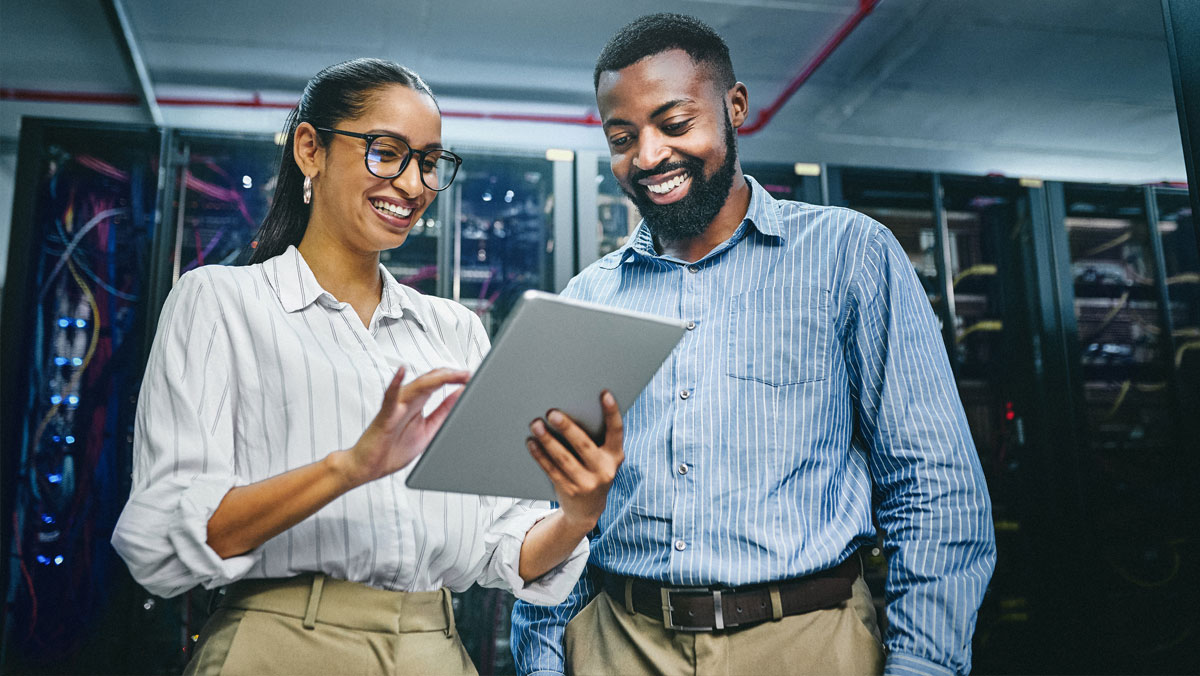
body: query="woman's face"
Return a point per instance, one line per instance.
(365, 212)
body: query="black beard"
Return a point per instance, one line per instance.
(690, 216)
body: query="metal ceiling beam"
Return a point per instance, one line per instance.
(118, 18)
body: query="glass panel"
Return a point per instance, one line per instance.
(505, 229)
(617, 214)
(227, 188)
(1177, 227)
(1118, 318)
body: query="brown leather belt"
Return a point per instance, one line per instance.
(714, 608)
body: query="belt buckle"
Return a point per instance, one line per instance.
(668, 609)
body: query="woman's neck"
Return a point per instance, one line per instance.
(351, 276)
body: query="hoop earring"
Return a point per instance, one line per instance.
(308, 190)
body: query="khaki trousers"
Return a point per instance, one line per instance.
(316, 625)
(606, 638)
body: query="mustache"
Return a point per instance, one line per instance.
(691, 166)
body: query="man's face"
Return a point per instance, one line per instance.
(671, 140)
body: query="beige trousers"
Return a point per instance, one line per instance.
(316, 625)
(605, 638)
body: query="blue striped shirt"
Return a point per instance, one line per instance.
(813, 388)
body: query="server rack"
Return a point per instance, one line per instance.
(75, 312)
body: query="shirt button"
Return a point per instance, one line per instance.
(683, 468)
(680, 545)
(691, 325)
(693, 269)
(684, 394)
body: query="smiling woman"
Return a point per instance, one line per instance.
(283, 400)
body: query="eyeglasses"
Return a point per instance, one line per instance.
(388, 156)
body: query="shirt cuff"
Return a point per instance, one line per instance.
(544, 672)
(553, 587)
(904, 664)
(190, 536)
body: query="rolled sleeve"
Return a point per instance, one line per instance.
(183, 448)
(163, 532)
(504, 539)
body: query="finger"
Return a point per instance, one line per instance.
(413, 396)
(614, 426)
(539, 456)
(585, 449)
(562, 458)
(390, 396)
(428, 383)
(435, 419)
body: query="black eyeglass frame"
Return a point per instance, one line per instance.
(371, 138)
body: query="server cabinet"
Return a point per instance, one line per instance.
(1132, 448)
(75, 310)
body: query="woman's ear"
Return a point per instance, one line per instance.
(307, 149)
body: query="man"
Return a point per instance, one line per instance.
(811, 394)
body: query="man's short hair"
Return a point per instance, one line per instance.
(657, 33)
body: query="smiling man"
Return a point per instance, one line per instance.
(810, 400)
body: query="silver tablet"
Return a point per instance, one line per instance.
(552, 353)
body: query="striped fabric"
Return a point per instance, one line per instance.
(813, 385)
(257, 370)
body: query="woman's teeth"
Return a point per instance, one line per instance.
(667, 186)
(389, 208)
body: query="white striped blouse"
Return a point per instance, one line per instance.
(811, 398)
(257, 370)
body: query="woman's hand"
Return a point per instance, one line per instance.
(582, 473)
(399, 432)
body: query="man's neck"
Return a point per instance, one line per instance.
(720, 229)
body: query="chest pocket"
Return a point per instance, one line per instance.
(780, 336)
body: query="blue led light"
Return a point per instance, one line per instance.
(46, 518)
(60, 361)
(58, 560)
(70, 439)
(64, 322)
(54, 478)
(77, 361)
(73, 400)
(43, 560)
(56, 438)
(56, 399)
(80, 323)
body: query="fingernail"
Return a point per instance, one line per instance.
(610, 399)
(538, 428)
(556, 418)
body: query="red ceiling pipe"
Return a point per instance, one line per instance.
(764, 116)
(590, 119)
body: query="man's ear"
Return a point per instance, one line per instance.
(738, 100)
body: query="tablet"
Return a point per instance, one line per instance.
(552, 353)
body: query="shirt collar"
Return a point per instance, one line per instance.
(760, 215)
(297, 287)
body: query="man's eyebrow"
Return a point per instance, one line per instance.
(617, 121)
(667, 106)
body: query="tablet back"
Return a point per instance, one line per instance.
(553, 353)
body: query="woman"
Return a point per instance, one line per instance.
(263, 457)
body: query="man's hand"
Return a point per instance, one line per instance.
(582, 472)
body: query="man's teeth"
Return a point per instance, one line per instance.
(667, 186)
(392, 209)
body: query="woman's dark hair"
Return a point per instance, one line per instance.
(657, 33)
(340, 92)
